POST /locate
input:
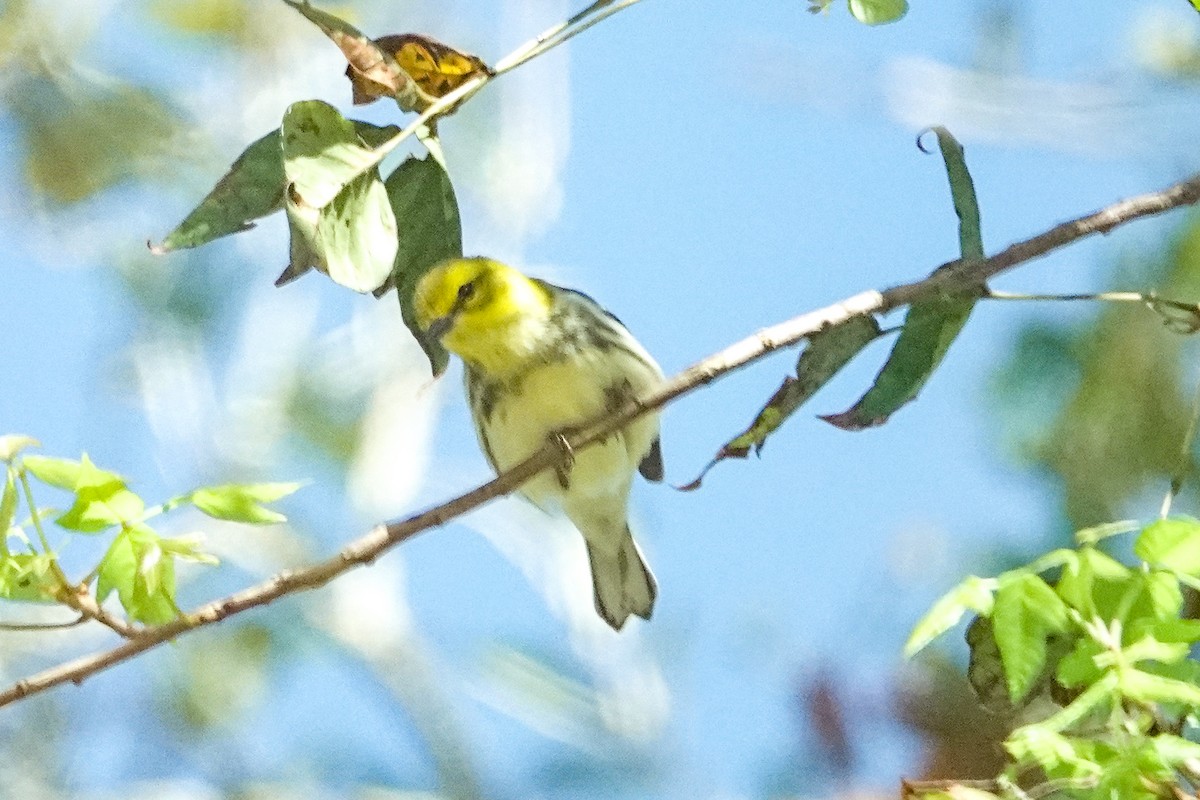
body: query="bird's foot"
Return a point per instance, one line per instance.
(618, 395)
(563, 468)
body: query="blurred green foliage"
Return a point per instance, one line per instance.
(1102, 406)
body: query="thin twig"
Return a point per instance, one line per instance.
(547, 41)
(950, 277)
(1179, 315)
(42, 626)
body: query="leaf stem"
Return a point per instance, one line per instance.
(42, 626)
(548, 40)
(1180, 316)
(33, 512)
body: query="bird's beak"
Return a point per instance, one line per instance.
(440, 327)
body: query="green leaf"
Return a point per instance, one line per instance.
(1150, 649)
(28, 577)
(426, 210)
(1101, 693)
(1079, 667)
(878, 12)
(142, 573)
(1146, 688)
(1171, 543)
(929, 329)
(1089, 573)
(252, 188)
(1026, 611)
(1171, 629)
(929, 326)
(1050, 750)
(243, 502)
(60, 472)
(823, 357)
(1161, 597)
(974, 594)
(189, 548)
(338, 211)
(13, 443)
(118, 570)
(92, 477)
(100, 507)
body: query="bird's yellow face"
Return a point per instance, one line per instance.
(476, 308)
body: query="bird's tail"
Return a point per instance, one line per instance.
(623, 583)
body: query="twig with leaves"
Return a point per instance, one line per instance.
(951, 279)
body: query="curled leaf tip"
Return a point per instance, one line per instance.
(924, 148)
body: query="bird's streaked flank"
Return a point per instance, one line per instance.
(539, 360)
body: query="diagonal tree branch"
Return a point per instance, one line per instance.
(950, 278)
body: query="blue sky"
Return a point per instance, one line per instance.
(704, 170)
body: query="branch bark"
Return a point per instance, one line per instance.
(951, 277)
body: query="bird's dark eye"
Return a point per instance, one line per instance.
(466, 292)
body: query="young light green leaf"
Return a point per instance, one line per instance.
(974, 594)
(1150, 649)
(426, 209)
(97, 508)
(118, 570)
(1167, 630)
(137, 567)
(878, 12)
(28, 577)
(1171, 543)
(1048, 749)
(338, 211)
(930, 326)
(243, 502)
(1090, 573)
(69, 474)
(189, 548)
(12, 444)
(1147, 688)
(823, 357)
(60, 472)
(92, 477)
(1079, 667)
(1097, 533)
(1025, 612)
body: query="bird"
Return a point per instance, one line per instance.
(540, 360)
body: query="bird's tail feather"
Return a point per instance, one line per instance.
(623, 583)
